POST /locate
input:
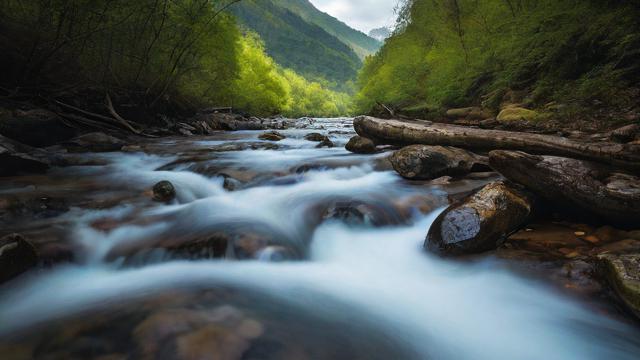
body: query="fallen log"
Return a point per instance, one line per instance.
(401, 132)
(598, 189)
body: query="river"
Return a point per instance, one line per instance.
(326, 262)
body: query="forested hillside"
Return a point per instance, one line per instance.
(362, 44)
(297, 44)
(154, 57)
(564, 58)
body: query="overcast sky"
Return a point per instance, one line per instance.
(363, 15)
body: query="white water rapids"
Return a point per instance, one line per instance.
(434, 308)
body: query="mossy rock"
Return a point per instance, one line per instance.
(517, 114)
(623, 274)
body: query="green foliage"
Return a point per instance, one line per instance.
(155, 51)
(448, 53)
(161, 48)
(260, 88)
(264, 88)
(297, 44)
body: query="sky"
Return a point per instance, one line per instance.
(363, 15)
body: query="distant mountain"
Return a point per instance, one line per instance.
(362, 44)
(380, 33)
(297, 43)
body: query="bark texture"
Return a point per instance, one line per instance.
(597, 188)
(403, 132)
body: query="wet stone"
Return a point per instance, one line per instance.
(164, 191)
(17, 255)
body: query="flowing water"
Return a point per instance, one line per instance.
(355, 281)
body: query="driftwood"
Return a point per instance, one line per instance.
(117, 116)
(397, 132)
(597, 188)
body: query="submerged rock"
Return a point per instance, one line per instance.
(423, 162)
(316, 137)
(17, 255)
(481, 222)
(272, 136)
(361, 145)
(623, 275)
(596, 188)
(164, 191)
(325, 143)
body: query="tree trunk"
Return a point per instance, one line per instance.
(398, 132)
(597, 188)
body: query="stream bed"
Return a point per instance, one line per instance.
(270, 250)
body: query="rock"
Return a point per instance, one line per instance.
(325, 143)
(272, 136)
(625, 134)
(481, 222)
(623, 275)
(620, 247)
(361, 145)
(241, 146)
(17, 255)
(229, 122)
(94, 142)
(164, 191)
(231, 184)
(360, 213)
(197, 334)
(424, 162)
(36, 127)
(316, 137)
(15, 160)
(469, 113)
(609, 234)
(592, 187)
(516, 114)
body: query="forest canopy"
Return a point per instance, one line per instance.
(192, 52)
(451, 53)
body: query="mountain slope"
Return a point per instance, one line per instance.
(362, 44)
(380, 33)
(296, 43)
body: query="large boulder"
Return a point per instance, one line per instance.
(424, 162)
(36, 127)
(592, 187)
(480, 222)
(623, 275)
(17, 255)
(361, 145)
(17, 159)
